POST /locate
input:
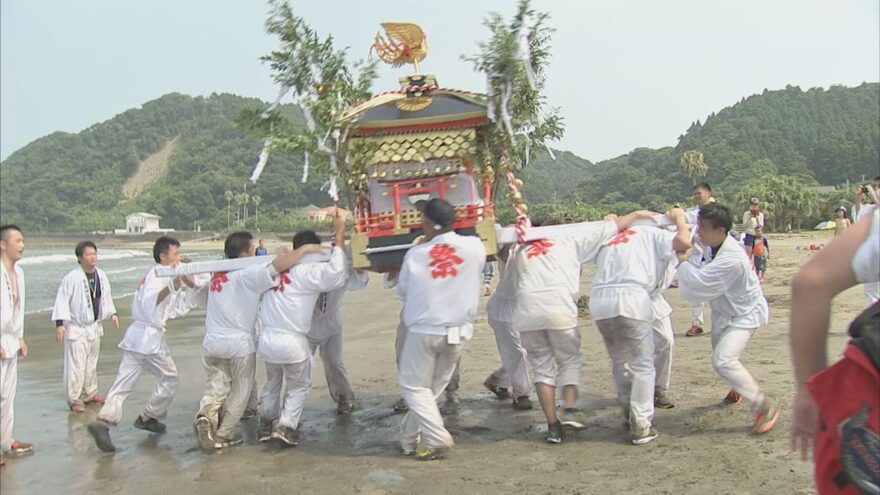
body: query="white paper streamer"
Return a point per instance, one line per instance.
(506, 92)
(261, 162)
(305, 176)
(281, 93)
(490, 94)
(525, 52)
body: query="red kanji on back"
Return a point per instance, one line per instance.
(538, 248)
(285, 280)
(218, 280)
(622, 237)
(444, 261)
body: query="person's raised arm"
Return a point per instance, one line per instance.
(284, 261)
(813, 288)
(625, 221)
(339, 229)
(682, 240)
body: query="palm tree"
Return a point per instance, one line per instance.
(692, 165)
(256, 199)
(238, 203)
(245, 200)
(229, 195)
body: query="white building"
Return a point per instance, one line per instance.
(143, 223)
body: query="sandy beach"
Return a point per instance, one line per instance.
(703, 448)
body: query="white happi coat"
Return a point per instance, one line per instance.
(146, 334)
(286, 311)
(548, 281)
(11, 316)
(73, 305)
(728, 283)
(440, 284)
(629, 268)
(233, 302)
(328, 322)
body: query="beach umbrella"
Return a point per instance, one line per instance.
(827, 225)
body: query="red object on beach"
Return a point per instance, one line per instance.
(814, 247)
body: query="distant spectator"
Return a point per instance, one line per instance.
(752, 218)
(261, 249)
(488, 274)
(761, 252)
(841, 221)
(867, 193)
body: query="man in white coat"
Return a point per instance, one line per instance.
(513, 375)
(228, 348)
(285, 318)
(629, 268)
(325, 336)
(545, 310)
(728, 283)
(83, 301)
(439, 284)
(12, 344)
(144, 349)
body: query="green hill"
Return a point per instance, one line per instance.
(177, 156)
(824, 137)
(86, 181)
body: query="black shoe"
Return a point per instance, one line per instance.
(555, 433)
(344, 407)
(287, 437)
(101, 432)
(249, 414)
(522, 403)
(151, 424)
(264, 433)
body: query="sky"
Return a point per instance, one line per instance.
(625, 73)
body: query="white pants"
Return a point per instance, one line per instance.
(630, 345)
(81, 369)
(295, 380)
(8, 386)
(728, 344)
(160, 366)
(514, 371)
(697, 315)
(555, 356)
(427, 364)
(664, 346)
(872, 292)
(400, 339)
(227, 392)
(334, 370)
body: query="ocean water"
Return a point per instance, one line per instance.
(44, 269)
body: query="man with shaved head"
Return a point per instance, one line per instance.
(12, 345)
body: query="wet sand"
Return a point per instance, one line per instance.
(703, 446)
